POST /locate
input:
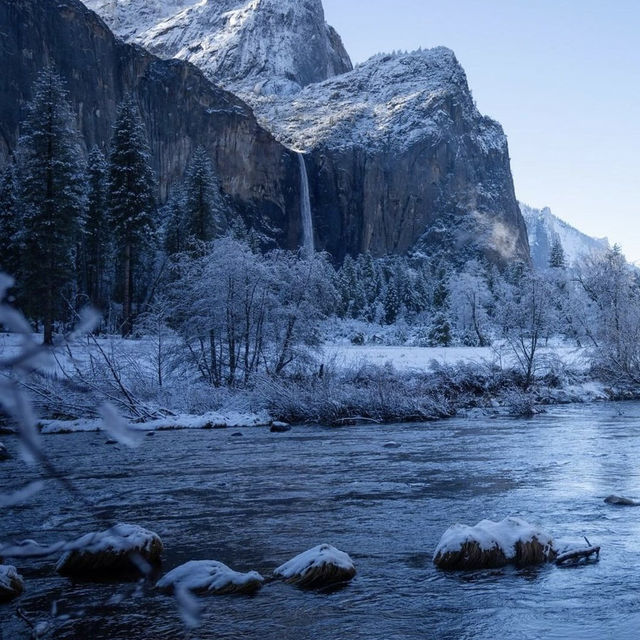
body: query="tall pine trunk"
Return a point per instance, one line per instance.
(48, 315)
(126, 295)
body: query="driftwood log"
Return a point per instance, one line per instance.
(574, 556)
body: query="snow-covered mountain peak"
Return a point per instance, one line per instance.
(248, 46)
(544, 229)
(391, 100)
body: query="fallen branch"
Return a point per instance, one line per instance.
(579, 554)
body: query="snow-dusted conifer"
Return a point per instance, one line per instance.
(97, 233)
(440, 334)
(557, 258)
(52, 181)
(131, 185)
(10, 223)
(204, 206)
(175, 233)
(391, 302)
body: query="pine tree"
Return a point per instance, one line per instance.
(205, 216)
(348, 286)
(391, 302)
(10, 223)
(97, 233)
(175, 233)
(440, 334)
(556, 258)
(52, 199)
(130, 197)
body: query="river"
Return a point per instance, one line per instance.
(255, 500)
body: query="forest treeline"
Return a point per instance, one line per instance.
(75, 233)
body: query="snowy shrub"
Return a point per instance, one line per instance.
(260, 317)
(520, 404)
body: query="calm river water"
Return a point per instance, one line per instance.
(255, 500)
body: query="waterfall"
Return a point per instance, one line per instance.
(305, 210)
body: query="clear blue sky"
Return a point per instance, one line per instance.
(563, 78)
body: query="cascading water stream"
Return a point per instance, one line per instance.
(305, 210)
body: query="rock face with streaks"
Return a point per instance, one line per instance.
(399, 158)
(397, 155)
(250, 47)
(180, 108)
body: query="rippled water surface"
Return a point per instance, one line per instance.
(255, 500)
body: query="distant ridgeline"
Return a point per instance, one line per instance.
(546, 230)
(397, 156)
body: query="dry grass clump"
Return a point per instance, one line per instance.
(532, 552)
(490, 545)
(471, 556)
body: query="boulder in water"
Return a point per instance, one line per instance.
(209, 576)
(280, 427)
(4, 453)
(322, 566)
(493, 544)
(11, 583)
(123, 549)
(621, 501)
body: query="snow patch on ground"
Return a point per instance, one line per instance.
(209, 420)
(408, 358)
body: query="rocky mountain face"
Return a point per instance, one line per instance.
(544, 228)
(250, 47)
(180, 107)
(398, 156)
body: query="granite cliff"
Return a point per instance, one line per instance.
(180, 107)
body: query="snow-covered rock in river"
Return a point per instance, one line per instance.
(544, 229)
(209, 576)
(247, 46)
(321, 566)
(117, 550)
(4, 453)
(11, 583)
(493, 544)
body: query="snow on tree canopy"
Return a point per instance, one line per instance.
(11, 583)
(211, 577)
(321, 566)
(493, 544)
(112, 550)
